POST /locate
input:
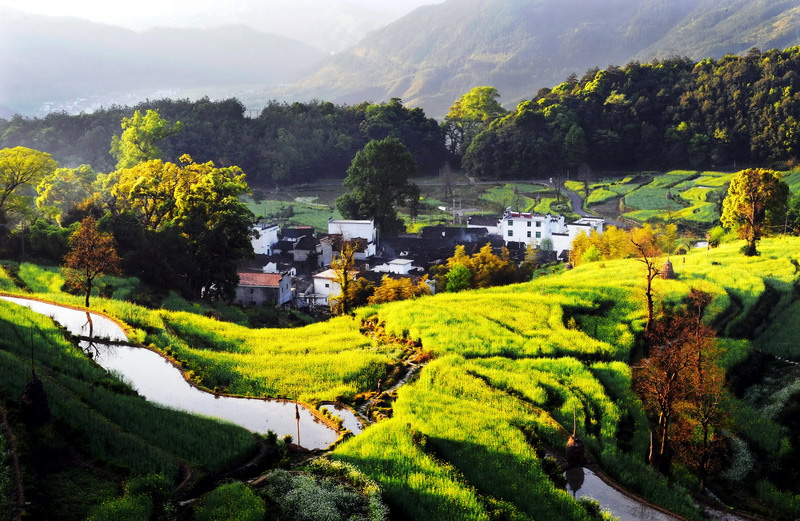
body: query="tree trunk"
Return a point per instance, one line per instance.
(751, 246)
(88, 290)
(649, 295)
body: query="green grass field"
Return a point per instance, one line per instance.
(511, 364)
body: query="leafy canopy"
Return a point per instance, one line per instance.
(755, 198)
(140, 133)
(378, 182)
(21, 167)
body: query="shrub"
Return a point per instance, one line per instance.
(231, 502)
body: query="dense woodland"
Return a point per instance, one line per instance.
(669, 113)
(286, 143)
(738, 109)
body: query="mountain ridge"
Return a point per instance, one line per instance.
(436, 53)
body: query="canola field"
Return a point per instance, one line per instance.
(468, 438)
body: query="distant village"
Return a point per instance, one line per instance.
(292, 265)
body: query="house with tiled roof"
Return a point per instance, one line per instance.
(258, 288)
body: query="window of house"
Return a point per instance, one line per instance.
(538, 224)
(327, 285)
(529, 234)
(511, 223)
(252, 290)
(510, 233)
(538, 235)
(529, 224)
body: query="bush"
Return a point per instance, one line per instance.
(231, 502)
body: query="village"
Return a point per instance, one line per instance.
(292, 265)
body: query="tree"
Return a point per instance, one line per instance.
(458, 278)
(198, 207)
(65, 189)
(683, 386)
(470, 114)
(755, 198)
(21, 167)
(574, 146)
(648, 249)
(404, 288)
(660, 378)
(378, 183)
(92, 254)
(140, 133)
(344, 266)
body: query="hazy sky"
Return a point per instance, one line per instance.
(328, 24)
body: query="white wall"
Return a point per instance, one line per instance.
(351, 229)
(267, 237)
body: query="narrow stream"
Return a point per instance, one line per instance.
(158, 381)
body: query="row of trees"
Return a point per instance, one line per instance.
(285, 144)
(670, 113)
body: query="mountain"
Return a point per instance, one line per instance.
(51, 63)
(436, 53)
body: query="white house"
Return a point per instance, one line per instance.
(324, 286)
(532, 228)
(354, 229)
(255, 289)
(396, 266)
(267, 237)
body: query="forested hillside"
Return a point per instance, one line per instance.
(671, 113)
(286, 143)
(667, 113)
(435, 53)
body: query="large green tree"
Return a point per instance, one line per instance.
(140, 133)
(755, 198)
(21, 167)
(378, 183)
(470, 114)
(190, 212)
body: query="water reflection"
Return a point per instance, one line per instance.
(351, 421)
(582, 482)
(160, 382)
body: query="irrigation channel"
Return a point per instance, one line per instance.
(160, 382)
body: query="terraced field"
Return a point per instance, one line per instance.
(467, 438)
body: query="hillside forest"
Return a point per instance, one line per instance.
(671, 113)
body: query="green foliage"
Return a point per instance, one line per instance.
(140, 133)
(378, 183)
(231, 502)
(64, 190)
(301, 497)
(458, 278)
(669, 112)
(755, 199)
(192, 210)
(21, 168)
(786, 503)
(290, 143)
